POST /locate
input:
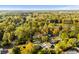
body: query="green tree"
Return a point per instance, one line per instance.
(16, 50)
(63, 35)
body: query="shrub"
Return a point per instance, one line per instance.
(16, 50)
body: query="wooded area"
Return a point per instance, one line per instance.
(39, 32)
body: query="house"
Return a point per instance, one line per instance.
(68, 21)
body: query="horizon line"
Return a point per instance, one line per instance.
(39, 7)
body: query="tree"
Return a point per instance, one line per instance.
(72, 34)
(58, 50)
(63, 35)
(71, 42)
(61, 45)
(29, 48)
(6, 43)
(20, 41)
(1, 35)
(16, 50)
(7, 36)
(78, 36)
(44, 51)
(9, 27)
(44, 38)
(20, 32)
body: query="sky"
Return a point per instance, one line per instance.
(39, 7)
